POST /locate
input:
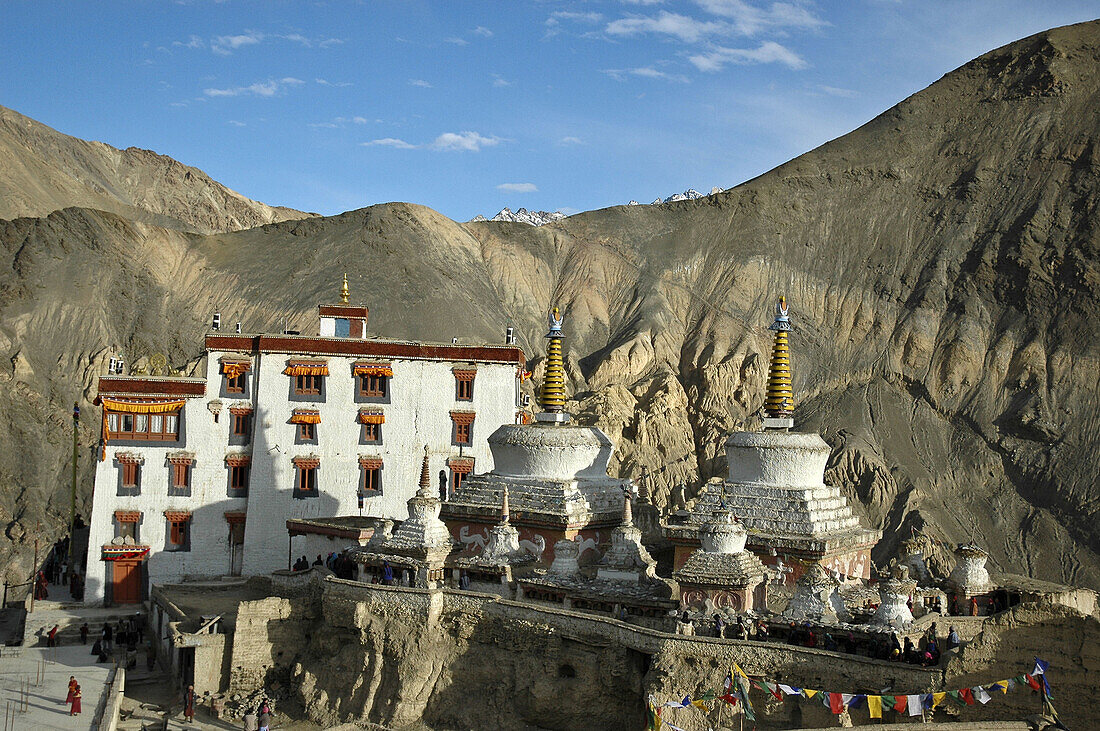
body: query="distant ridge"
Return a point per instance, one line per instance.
(46, 171)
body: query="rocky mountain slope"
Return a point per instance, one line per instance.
(44, 170)
(942, 264)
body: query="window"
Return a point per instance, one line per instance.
(308, 385)
(178, 534)
(234, 384)
(464, 384)
(181, 474)
(460, 467)
(240, 466)
(373, 386)
(463, 428)
(306, 483)
(307, 432)
(148, 427)
(242, 424)
(131, 471)
(372, 433)
(370, 479)
(126, 524)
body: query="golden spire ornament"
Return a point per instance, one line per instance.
(779, 399)
(344, 293)
(552, 397)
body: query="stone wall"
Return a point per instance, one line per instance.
(397, 656)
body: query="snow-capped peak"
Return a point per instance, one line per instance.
(531, 218)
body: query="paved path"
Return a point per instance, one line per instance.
(46, 709)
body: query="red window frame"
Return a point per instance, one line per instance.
(307, 385)
(131, 473)
(235, 384)
(371, 386)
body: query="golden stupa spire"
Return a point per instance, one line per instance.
(344, 293)
(552, 398)
(779, 400)
(425, 477)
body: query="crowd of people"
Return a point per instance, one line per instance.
(926, 651)
(337, 563)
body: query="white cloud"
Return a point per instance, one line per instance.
(268, 88)
(237, 123)
(225, 45)
(641, 2)
(323, 125)
(389, 142)
(420, 82)
(836, 91)
(578, 17)
(518, 187)
(463, 142)
(330, 42)
(326, 82)
(767, 52)
(645, 72)
(457, 41)
(192, 42)
(750, 19)
(570, 141)
(499, 81)
(689, 30)
(483, 32)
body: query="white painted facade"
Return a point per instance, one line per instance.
(421, 395)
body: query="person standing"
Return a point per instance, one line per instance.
(264, 717)
(189, 704)
(251, 721)
(973, 606)
(74, 700)
(107, 636)
(84, 633)
(387, 574)
(72, 687)
(51, 638)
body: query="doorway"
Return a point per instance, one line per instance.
(126, 581)
(236, 548)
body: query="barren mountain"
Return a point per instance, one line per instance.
(44, 170)
(942, 263)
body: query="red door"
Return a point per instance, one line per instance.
(127, 582)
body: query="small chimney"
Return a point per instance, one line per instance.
(510, 336)
(217, 323)
(118, 365)
(454, 341)
(238, 327)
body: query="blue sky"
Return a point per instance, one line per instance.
(470, 106)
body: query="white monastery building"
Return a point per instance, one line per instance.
(199, 476)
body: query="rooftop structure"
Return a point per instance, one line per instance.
(722, 574)
(200, 476)
(775, 483)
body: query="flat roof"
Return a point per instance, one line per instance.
(369, 347)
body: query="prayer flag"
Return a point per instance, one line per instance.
(774, 690)
(740, 673)
(1033, 682)
(1040, 667)
(937, 698)
(790, 689)
(954, 695)
(1001, 685)
(913, 701)
(926, 701)
(967, 696)
(700, 705)
(980, 694)
(653, 717)
(874, 705)
(847, 698)
(856, 700)
(901, 702)
(810, 693)
(674, 728)
(1010, 684)
(836, 703)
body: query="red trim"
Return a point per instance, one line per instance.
(238, 460)
(127, 516)
(365, 348)
(463, 417)
(234, 516)
(152, 386)
(306, 462)
(370, 463)
(463, 465)
(177, 515)
(348, 311)
(129, 458)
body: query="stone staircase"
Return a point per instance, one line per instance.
(69, 617)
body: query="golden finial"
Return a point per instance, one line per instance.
(344, 293)
(552, 398)
(779, 399)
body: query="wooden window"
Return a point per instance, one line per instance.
(236, 534)
(238, 476)
(463, 431)
(307, 385)
(462, 434)
(464, 384)
(460, 467)
(372, 433)
(131, 471)
(370, 478)
(307, 432)
(373, 386)
(181, 474)
(145, 427)
(126, 524)
(179, 530)
(235, 384)
(456, 480)
(307, 479)
(242, 424)
(127, 530)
